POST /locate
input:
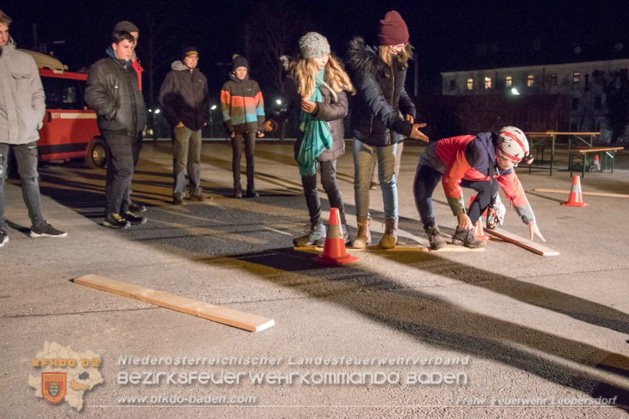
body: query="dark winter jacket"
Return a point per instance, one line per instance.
(242, 105)
(112, 91)
(331, 109)
(184, 97)
(382, 102)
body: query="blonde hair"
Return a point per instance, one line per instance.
(403, 56)
(304, 70)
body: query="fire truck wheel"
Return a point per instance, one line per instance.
(96, 156)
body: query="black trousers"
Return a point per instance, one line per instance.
(119, 171)
(247, 141)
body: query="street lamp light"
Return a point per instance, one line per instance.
(515, 92)
(278, 101)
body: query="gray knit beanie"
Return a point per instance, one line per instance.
(313, 44)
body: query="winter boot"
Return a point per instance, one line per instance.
(251, 192)
(315, 236)
(363, 237)
(435, 238)
(389, 240)
(467, 239)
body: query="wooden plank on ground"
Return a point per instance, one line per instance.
(201, 309)
(604, 194)
(397, 248)
(522, 242)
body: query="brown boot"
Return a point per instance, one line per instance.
(389, 240)
(363, 237)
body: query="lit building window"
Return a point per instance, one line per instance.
(576, 77)
(530, 80)
(487, 82)
(553, 79)
(509, 81)
(470, 84)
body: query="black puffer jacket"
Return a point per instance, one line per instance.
(381, 102)
(184, 97)
(332, 110)
(112, 91)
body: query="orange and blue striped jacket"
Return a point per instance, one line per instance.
(242, 105)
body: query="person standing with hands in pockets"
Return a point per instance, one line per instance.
(186, 103)
(383, 114)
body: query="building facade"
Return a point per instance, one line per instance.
(589, 87)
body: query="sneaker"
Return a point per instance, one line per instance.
(4, 238)
(115, 220)
(200, 197)
(136, 207)
(133, 218)
(467, 239)
(46, 230)
(435, 238)
(178, 200)
(346, 237)
(315, 236)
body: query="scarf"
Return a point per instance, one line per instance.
(317, 135)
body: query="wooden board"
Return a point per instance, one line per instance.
(522, 242)
(201, 309)
(397, 248)
(596, 149)
(604, 194)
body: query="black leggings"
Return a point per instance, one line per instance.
(328, 180)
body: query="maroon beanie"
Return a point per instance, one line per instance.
(392, 29)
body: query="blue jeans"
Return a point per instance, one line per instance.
(187, 157)
(426, 180)
(364, 156)
(26, 157)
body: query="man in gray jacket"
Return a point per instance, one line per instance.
(185, 101)
(112, 91)
(22, 109)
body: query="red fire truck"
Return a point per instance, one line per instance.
(70, 129)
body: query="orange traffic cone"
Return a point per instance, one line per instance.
(596, 166)
(334, 252)
(576, 197)
(478, 230)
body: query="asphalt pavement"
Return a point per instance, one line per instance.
(498, 333)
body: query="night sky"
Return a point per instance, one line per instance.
(448, 34)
